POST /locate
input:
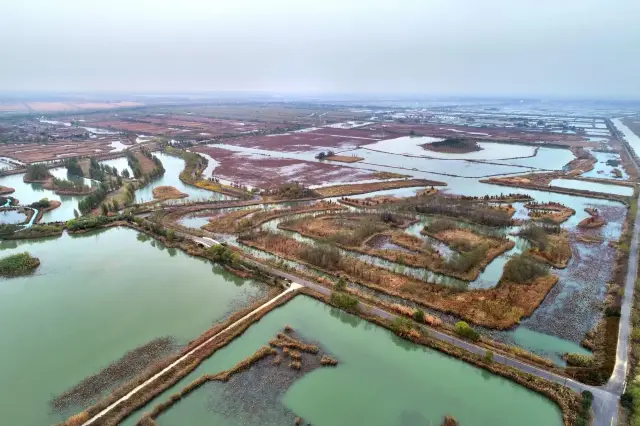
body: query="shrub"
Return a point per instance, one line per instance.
(37, 172)
(579, 360)
(418, 315)
(18, 264)
(463, 329)
(488, 357)
(42, 204)
(612, 312)
(222, 254)
(344, 301)
(524, 269)
(439, 225)
(341, 284)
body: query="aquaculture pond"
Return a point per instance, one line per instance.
(28, 193)
(593, 186)
(79, 313)
(380, 380)
(173, 166)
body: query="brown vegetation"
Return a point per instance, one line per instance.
(595, 220)
(500, 307)
(167, 193)
(4, 190)
(344, 158)
(550, 212)
(361, 188)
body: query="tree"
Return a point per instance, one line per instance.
(125, 173)
(463, 329)
(418, 315)
(105, 209)
(116, 205)
(171, 235)
(341, 284)
(76, 214)
(488, 357)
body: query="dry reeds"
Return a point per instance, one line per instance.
(327, 360)
(296, 365)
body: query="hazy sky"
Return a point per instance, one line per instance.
(586, 48)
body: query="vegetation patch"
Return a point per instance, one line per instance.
(260, 379)
(125, 368)
(167, 193)
(231, 222)
(4, 190)
(18, 264)
(37, 173)
(595, 220)
(462, 209)
(361, 188)
(551, 212)
(550, 244)
(500, 307)
(453, 146)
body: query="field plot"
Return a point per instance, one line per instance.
(494, 133)
(306, 141)
(264, 172)
(34, 152)
(184, 126)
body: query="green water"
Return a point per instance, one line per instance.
(93, 298)
(28, 193)
(381, 380)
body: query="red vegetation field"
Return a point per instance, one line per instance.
(32, 152)
(267, 172)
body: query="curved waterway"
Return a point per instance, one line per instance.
(78, 313)
(28, 193)
(381, 380)
(173, 166)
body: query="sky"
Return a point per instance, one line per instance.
(558, 48)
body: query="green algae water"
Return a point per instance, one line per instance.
(95, 297)
(381, 380)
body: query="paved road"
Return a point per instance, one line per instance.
(605, 400)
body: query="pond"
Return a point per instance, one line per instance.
(387, 381)
(28, 193)
(604, 188)
(173, 166)
(12, 217)
(412, 146)
(77, 314)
